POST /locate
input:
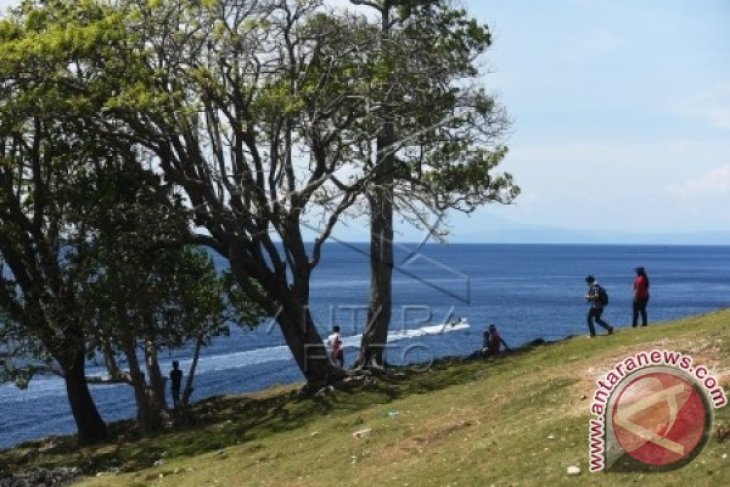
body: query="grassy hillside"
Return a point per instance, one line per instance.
(514, 420)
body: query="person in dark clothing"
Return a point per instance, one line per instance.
(641, 296)
(175, 382)
(492, 341)
(596, 309)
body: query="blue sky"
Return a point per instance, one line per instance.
(621, 114)
(621, 111)
(621, 119)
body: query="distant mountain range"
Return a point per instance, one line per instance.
(548, 235)
(493, 229)
(489, 228)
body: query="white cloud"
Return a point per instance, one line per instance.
(712, 183)
(621, 183)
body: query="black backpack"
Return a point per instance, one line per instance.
(602, 296)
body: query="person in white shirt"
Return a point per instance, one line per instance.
(334, 343)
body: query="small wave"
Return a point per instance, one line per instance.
(281, 352)
(54, 386)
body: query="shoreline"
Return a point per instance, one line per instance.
(556, 376)
(295, 385)
(395, 369)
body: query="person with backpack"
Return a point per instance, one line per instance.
(641, 296)
(598, 298)
(334, 342)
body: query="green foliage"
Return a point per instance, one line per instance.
(112, 231)
(22, 356)
(136, 279)
(40, 162)
(248, 113)
(446, 131)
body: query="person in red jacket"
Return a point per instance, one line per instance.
(641, 296)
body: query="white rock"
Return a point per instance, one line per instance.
(363, 433)
(573, 470)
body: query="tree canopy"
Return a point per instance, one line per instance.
(254, 119)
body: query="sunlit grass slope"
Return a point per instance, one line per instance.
(520, 419)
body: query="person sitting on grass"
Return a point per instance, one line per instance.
(493, 341)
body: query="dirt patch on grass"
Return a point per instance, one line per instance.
(419, 442)
(704, 351)
(428, 436)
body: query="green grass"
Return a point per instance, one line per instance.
(514, 420)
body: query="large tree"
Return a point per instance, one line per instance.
(437, 136)
(236, 106)
(52, 171)
(257, 113)
(154, 301)
(246, 107)
(140, 292)
(38, 298)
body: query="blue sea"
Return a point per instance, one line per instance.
(528, 291)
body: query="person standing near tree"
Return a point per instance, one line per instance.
(175, 381)
(598, 298)
(641, 296)
(334, 342)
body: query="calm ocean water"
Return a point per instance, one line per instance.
(529, 291)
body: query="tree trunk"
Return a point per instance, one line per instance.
(109, 359)
(157, 381)
(291, 309)
(90, 425)
(149, 419)
(188, 391)
(375, 337)
(308, 349)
